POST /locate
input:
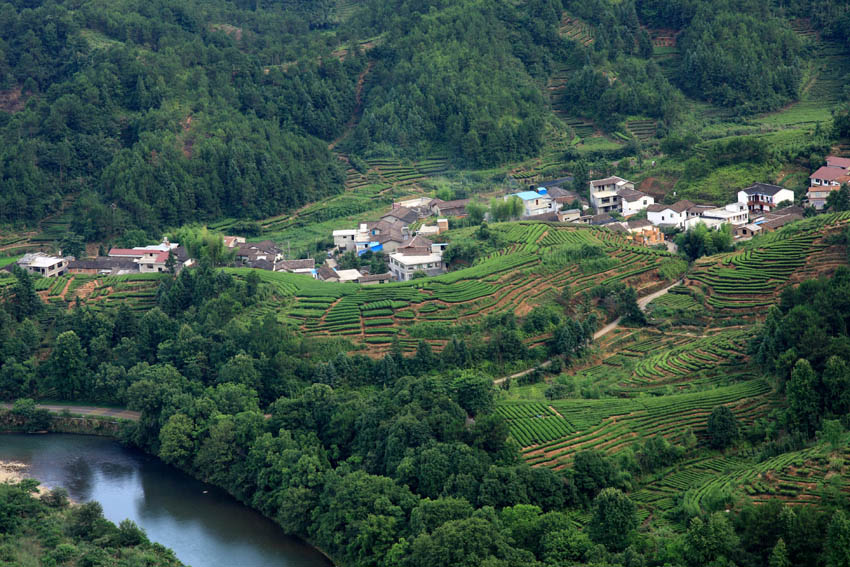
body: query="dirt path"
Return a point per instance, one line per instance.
(642, 304)
(87, 410)
(358, 106)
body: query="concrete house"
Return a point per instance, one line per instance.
(456, 208)
(43, 264)
(604, 193)
(735, 214)
(251, 253)
(673, 216)
(420, 254)
(534, 202)
(763, 197)
(401, 214)
(632, 202)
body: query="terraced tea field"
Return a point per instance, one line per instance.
(552, 435)
(510, 279)
(748, 281)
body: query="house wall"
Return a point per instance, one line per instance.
(667, 216)
(634, 207)
(57, 269)
(404, 272)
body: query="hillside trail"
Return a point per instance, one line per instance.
(642, 304)
(358, 106)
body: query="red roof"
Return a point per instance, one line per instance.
(842, 162)
(828, 173)
(126, 252)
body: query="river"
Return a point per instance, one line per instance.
(204, 525)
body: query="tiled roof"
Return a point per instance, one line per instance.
(765, 188)
(607, 181)
(631, 195)
(836, 161)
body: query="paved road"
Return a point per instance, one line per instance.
(87, 410)
(643, 302)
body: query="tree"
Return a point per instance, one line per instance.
(839, 200)
(176, 438)
(837, 548)
(475, 212)
(833, 432)
(66, 367)
(709, 540)
(72, 245)
(803, 399)
(779, 555)
(24, 300)
(473, 392)
(614, 519)
(723, 427)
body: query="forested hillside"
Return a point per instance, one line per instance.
(152, 114)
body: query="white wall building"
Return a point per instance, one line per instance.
(43, 264)
(763, 197)
(535, 202)
(403, 266)
(632, 202)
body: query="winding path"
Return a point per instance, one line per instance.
(643, 302)
(87, 410)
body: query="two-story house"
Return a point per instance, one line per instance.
(43, 264)
(535, 202)
(763, 197)
(673, 215)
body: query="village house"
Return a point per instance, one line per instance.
(831, 173)
(232, 241)
(827, 179)
(371, 279)
(456, 208)
(401, 214)
(419, 255)
(103, 265)
(632, 202)
(262, 255)
(605, 193)
(747, 231)
(570, 215)
(534, 202)
(305, 266)
(597, 220)
(763, 197)
(564, 198)
(672, 216)
(154, 259)
(769, 222)
(643, 232)
(714, 217)
(43, 264)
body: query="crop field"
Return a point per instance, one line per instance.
(802, 476)
(748, 281)
(553, 433)
(505, 280)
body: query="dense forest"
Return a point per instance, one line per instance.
(150, 115)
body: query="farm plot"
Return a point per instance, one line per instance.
(516, 277)
(612, 424)
(703, 361)
(750, 279)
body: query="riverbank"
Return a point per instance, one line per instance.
(11, 471)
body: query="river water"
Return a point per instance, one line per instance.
(204, 526)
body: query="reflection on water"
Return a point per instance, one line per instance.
(203, 525)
